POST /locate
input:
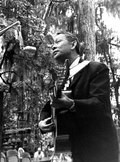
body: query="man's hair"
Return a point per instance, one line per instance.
(71, 37)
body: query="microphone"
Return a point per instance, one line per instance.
(8, 27)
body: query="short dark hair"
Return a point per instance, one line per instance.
(70, 37)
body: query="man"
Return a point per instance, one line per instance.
(88, 118)
(20, 151)
(38, 155)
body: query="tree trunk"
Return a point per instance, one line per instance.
(86, 27)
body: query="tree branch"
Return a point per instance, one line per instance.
(116, 45)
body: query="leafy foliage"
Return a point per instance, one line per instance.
(28, 90)
(108, 49)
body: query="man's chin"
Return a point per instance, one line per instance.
(56, 57)
(59, 59)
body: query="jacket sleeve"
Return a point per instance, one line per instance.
(97, 101)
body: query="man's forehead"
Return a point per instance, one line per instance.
(60, 36)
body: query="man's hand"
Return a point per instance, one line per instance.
(46, 125)
(63, 102)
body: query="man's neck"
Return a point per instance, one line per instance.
(73, 59)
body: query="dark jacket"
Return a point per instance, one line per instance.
(91, 128)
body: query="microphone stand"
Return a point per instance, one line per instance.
(2, 91)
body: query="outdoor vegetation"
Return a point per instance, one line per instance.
(29, 75)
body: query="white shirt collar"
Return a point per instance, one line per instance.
(75, 62)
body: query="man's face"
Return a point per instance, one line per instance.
(61, 48)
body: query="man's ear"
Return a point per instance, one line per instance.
(74, 44)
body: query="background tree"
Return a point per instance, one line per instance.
(86, 27)
(34, 70)
(108, 47)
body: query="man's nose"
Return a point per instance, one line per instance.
(54, 47)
